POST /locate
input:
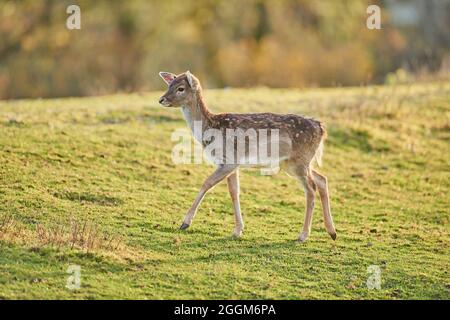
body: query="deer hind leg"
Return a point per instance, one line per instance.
(305, 176)
(233, 187)
(322, 186)
(218, 175)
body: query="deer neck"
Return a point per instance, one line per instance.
(197, 116)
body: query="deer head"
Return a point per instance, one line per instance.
(182, 89)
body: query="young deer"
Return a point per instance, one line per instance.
(300, 141)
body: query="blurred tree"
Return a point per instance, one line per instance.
(280, 43)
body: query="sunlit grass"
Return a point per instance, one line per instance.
(107, 161)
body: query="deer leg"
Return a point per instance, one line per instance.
(233, 187)
(218, 175)
(322, 186)
(309, 187)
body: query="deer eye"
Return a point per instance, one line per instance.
(181, 89)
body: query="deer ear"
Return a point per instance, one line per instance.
(190, 80)
(167, 77)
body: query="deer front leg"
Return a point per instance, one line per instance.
(218, 175)
(233, 187)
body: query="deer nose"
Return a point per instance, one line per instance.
(161, 100)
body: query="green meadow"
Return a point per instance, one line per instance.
(91, 182)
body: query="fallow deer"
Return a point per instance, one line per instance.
(301, 141)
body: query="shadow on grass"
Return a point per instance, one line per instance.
(175, 230)
(223, 249)
(356, 139)
(14, 123)
(57, 258)
(98, 199)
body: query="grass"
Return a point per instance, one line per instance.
(106, 162)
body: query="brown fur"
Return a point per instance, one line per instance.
(305, 139)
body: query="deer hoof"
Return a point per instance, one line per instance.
(184, 226)
(333, 236)
(236, 234)
(303, 236)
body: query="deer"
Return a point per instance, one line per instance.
(301, 143)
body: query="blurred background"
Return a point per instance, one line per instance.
(293, 43)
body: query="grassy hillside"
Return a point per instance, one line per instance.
(90, 182)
